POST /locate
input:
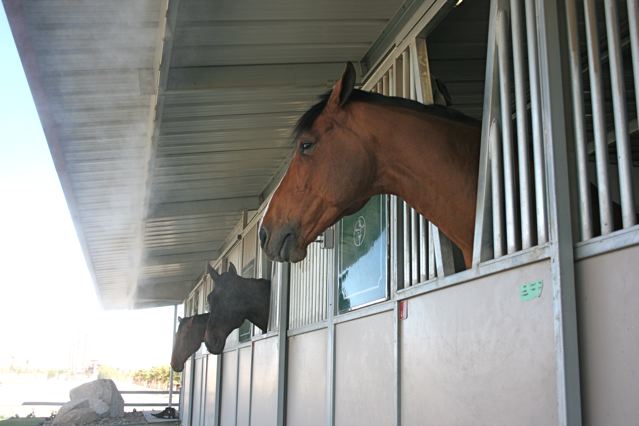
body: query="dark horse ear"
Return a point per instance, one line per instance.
(212, 272)
(179, 319)
(232, 269)
(344, 87)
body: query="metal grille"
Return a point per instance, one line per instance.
(604, 70)
(308, 283)
(511, 209)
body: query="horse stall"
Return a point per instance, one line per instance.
(383, 322)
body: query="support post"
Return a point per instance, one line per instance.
(172, 344)
(552, 66)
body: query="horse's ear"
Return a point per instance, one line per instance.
(344, 87)
(232, 269)
(212, 272)
(179, 320)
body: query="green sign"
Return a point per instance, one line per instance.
(362, 249)
(531, 290)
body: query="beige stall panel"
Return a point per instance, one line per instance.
(306, 390)
(608, 309)
(229, 388)
(264, 394)
(244, 387)
(364, 372)
(476, 354)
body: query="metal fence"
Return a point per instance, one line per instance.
(153, 401)
(602, 98)
(511, 206)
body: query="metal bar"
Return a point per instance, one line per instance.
(406, 77)
(496, 190)
(330, 346)
(483, 235)
(396, 219)
(633, 26)
(218, 391)
(172, 344)
(443, 253)
(431, 252)
(624, 155)
(415, 248)
(423, 252)
(282, 361)
(583, 183)
(522, 124)
(552, 63)
(503, 44)
(598, 116)
(535, 111)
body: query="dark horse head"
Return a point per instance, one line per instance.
(188, 339)
(329, 176)
(233, 300)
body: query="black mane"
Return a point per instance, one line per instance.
(308, 118)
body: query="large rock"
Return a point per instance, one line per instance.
(100, 393)
(76, 416)
(72, 405)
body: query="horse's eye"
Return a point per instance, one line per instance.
(306, 146)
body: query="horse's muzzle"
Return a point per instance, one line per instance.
(281, 245)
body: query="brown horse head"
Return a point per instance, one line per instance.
(188, 339)
(355, 144)
(330, 176)
(233, 300)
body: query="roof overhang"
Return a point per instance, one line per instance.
(167, 120)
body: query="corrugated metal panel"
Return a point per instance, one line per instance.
(308, 283)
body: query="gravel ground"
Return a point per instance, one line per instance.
(133, 418)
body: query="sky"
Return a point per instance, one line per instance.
(49, 311)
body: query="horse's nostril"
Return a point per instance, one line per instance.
(263, 236)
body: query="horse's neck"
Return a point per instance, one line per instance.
(431, 163)
(259, 296)
(199, 325)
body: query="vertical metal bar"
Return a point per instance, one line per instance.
(413, 215)
(385, 84)
(396, 223)
(250, 399)
(443, 253)
(172, 344)
(330, 344)
(218, 390)
(578, 121)
(406, 78)
(496, 190)
(423, 249)
(282, 361)
(483, 238)
(432, 273)
(633, 26)
(414, 239)
(598, 117)
(535, 107)
(624, 156)
(503, 43)
(522, 124)
(562, 264)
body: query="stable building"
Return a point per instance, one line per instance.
(170, 126)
